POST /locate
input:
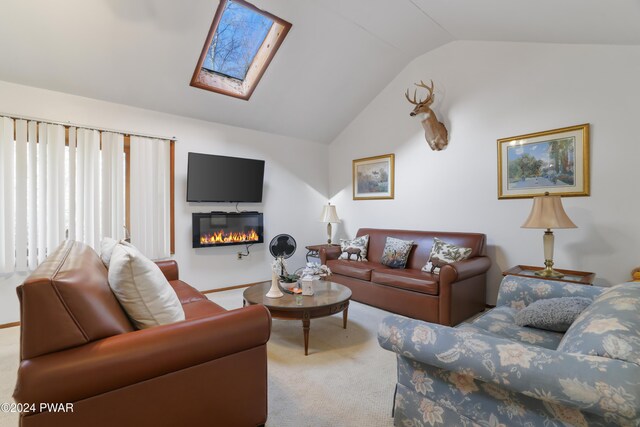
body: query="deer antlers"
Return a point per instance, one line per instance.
(435, 131)
(429, 98)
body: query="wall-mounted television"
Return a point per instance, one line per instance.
(212, 178)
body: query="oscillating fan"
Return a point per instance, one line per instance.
(282, 246)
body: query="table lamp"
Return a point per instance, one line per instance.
(547, 213)
(329, 215)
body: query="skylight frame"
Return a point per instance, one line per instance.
(242, 89)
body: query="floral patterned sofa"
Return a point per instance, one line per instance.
(491, 372)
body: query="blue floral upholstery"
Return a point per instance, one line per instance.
(480, 374)
(518, 292)
(501, 322)
(610, 327)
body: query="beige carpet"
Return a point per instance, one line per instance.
(346, 380)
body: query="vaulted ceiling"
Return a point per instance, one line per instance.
(336, 59)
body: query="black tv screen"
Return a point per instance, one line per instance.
(212, 178)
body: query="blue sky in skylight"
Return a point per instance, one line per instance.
(238, 37)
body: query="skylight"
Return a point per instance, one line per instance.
(241, 43)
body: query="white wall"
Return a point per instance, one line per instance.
(486, 91)
(295, 189)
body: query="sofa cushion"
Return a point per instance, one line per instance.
(500, 322)
(396, 252)
(445, 252)
(609, 326)
(412, 280)
(186, 293)
(356, 269)
(142, 289)
(67, 302)
(201, 308)
(355, 249)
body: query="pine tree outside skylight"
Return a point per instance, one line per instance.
(241, 43)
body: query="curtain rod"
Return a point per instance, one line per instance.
(69, 124)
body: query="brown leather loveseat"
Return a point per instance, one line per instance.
(454, 295)
(78, 346)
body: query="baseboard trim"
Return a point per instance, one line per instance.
(231, 288)
(9, 325)
(489, 306)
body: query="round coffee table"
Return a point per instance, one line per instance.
(329, 298)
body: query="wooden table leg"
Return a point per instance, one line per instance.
(306, 324)
(345, 314)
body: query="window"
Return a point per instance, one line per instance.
(241, 43)
(63, 182)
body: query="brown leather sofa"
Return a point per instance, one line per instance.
(454, 295)
(78, 346)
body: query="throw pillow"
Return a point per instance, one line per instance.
(444, 253)
(396, 252)
(553, 314)
(142, 289)
(355, 249)
(107, 245)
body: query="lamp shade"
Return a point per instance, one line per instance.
(547, 212)
(329, 214)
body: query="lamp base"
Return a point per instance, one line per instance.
(548, 271)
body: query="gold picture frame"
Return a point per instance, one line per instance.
(554, 161)
(373, 178)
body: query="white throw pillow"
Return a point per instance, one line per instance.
(445, 252)
(357, 248)
(142, 289)
(107, 245)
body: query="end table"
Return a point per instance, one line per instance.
(570, 276)
(314, 250)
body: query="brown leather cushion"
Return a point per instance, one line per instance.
(194, 303)
(356, 269)
(202, 308)
(67, 302)
(412, 280)
(185, 292)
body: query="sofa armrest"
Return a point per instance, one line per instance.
(122, 360)
(464, 269)
(169, 268)
(589, 383)
(327, 253)
(519, 292)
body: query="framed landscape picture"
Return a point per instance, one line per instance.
(554, 161)
(373, 177)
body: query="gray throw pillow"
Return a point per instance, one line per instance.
(553, 314)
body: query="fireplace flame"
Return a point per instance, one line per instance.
(219, 237)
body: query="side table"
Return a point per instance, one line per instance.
(570, 276)
(314, 250)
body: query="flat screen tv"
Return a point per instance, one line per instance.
(212, 178)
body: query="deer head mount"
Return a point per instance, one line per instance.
(434, 131)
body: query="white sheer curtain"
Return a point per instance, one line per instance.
(22, 167)
(113, 185)
(150, 193)
(49, 191)
(7, 197)
(87, 187)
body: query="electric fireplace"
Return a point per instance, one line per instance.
(227, 228)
